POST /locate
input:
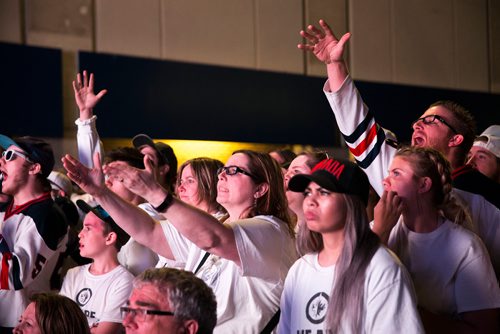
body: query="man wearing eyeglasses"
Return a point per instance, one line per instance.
(168, 300)
(32, 229)
(445, 126)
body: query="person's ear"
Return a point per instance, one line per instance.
(164, 169)
(111, 238)
(191, 326)
(261, 190)
(456, 140)
(424, 185)
(35, 168)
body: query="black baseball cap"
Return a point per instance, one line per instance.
(102, 214)
(341, 176)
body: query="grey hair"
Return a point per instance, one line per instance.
(189, 297)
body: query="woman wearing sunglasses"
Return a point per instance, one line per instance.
(249, 254)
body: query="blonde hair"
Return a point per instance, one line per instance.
(428, 162)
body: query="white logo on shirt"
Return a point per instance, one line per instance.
(83, 296)
(316, 308)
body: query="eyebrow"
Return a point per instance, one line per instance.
(145, 304)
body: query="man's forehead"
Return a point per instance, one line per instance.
(479, 149)
(148, 295)
(15, 148)
(437, 110)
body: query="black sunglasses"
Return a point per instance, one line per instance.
(233, 170)
(429, 119)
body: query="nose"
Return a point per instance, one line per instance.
(472, 161)
(286, 179)
(80, 234)
(386, 184)
(181, 188)
(222, 175)
(128, 321)
(417, 125)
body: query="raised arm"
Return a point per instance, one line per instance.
(329, 50)
(198, 226)
(87, 137)
(364, 137)
(85, 98)
(135, 221)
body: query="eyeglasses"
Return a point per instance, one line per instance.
(141, 314)
(233, 170)
(9, 155)
(429, 119)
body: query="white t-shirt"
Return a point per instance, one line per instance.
(247, 296)
(99, 296)
(136, 257)
(450, 267)
(389, 299)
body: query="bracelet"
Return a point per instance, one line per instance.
(165, 204)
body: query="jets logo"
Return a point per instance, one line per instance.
(83, 296)
(316, 308)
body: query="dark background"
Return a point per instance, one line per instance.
(177, 100)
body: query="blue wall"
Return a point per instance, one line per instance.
(187, 101)
(30, 91)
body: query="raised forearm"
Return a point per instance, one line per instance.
(337, 73)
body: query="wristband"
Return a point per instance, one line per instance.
(165, 204)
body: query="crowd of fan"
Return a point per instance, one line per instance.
(404, 239)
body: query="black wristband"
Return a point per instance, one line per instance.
(165, 204)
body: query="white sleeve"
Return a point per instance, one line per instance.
(391, 301)
(261, 245)
(486, 217)
(88, 141)
(286, 304)
(476, 287)
(67, 283)
(363, 136)
(179, 245)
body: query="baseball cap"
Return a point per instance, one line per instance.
(38, 150)
(490, 140)
(59, 181)
(102, 214)
(164, 151)
(341, 176)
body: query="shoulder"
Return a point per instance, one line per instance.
(384, 264)
(121, 273)
(49, 221)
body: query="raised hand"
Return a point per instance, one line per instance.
(142, 182)
(387, 212)
(323, 43)
(89, 180)
(84, 94)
